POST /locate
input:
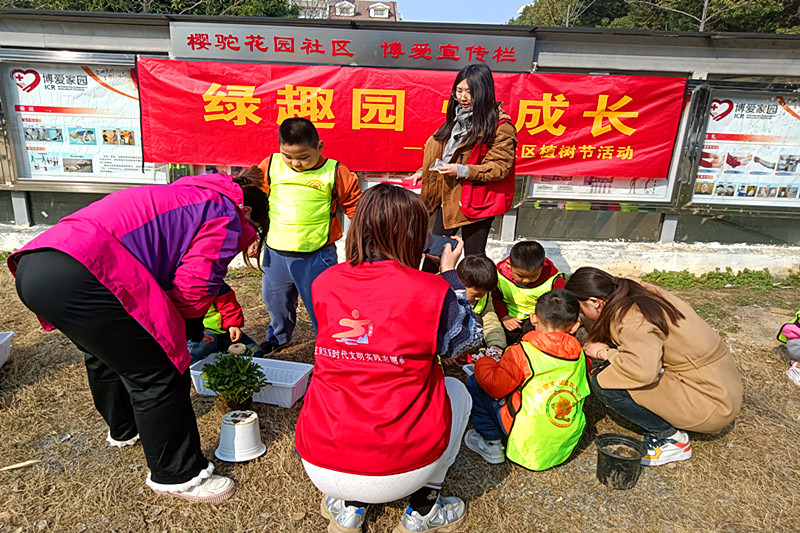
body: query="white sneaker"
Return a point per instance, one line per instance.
(676, 447)
(447, 515)
(492, 451)
(342, 518)
(214, 489)
(121, 443)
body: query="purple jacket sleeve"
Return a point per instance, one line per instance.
(201, 271)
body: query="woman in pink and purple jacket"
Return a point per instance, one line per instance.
(128, 279)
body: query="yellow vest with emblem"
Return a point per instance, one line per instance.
(550, 421)
(299, 206)
(521, 301)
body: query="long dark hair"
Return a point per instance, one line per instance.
(484, 115)
(620, 295)
(251, 180)
(389, 223)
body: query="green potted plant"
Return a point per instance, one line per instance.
(235, 378)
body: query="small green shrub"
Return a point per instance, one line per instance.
(234, 377)
(718, 279)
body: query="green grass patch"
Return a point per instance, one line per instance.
(720, 279)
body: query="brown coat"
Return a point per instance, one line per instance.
(446, 190)
(699, 390)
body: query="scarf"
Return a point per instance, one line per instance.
(460, 128)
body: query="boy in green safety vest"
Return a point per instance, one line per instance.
(523, 277)
(304, 188)
(541, 384)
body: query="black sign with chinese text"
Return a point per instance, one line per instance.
(335, 46)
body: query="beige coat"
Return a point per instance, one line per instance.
(493, 332)
(446, 190)
(699, 390)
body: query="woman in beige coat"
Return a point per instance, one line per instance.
(476, 142)
(666, 370)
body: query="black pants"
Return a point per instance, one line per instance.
(475, 236)
(135, 386)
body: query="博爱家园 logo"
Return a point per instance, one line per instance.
(27, 80)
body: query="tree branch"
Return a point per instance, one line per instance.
(663, 7)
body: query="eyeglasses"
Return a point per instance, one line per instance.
(458, 93)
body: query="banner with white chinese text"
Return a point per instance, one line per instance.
(378, 120)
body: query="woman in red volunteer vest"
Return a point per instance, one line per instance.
(380, 421)
(468, 168)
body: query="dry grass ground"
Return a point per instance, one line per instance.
(745, 480)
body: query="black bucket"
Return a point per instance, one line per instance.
(619, 468)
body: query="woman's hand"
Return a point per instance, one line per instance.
(448, 170)
(451, 255)
(596, 350)
(252, 250)
(236, 333)
(415, 177)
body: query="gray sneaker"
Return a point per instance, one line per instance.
(447, 515)
(343, 518)
(492, 450)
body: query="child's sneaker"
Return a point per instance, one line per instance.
(660, 452)
(492, 450)
(343, 518)
(447, 515)
(214, 489)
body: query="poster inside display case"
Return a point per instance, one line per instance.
(600, 189)
(751, 152)
(77, 123)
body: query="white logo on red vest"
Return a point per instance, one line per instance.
(358, 332)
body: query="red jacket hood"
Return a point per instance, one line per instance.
(556, 343)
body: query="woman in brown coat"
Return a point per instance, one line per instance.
(476, 142)
(666, 370)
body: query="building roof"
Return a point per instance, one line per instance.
(362, 10)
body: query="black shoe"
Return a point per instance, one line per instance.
(269, 347)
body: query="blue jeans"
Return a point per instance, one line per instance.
(287, 274)
(485, 412)
(220, 343)
(620, 401)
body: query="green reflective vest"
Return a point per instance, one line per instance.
(521, 301)
(550, 420)
(781, 336)
(480, 305)
(213, 320)
(299, 206)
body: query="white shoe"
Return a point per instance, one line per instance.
(342, 518)
(120, 443)
(676, 447)
(447, 515)
(214, 489)
(492, 451)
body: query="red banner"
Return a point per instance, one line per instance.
(375, 119)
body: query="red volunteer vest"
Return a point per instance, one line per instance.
(377, 403)
(483, 199)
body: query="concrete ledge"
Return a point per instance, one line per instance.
(619, 258)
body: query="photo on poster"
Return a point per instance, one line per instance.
(751, 190)
(78, 164)
(787, 163)
(82, 136)
(43, 134)
(110, 137)
(126, 137)
(45, 161)
(703, 187)
(792, 192)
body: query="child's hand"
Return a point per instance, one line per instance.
(511, 323)
(451, 255)
(235, 332)
(415, 177)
